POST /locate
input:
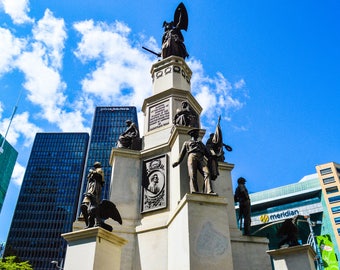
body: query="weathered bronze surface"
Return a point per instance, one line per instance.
(242, 197)
(185, 116)
(130, 137)
(173, 40)
(94, 211)
(196, 152)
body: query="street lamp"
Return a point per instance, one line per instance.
(56, 264)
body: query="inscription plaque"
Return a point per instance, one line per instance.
(159, 115)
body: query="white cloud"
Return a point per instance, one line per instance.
(10, 47)
(42, 81)
(17, 10)
(122, 71)
(240, 84)
(41, 65)
(216, 95)
(18, 174)
(1, 109)
(51, 32)
(21, 126)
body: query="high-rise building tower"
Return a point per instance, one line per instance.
(329, 177)
(47, 202)
(108, 124)
(8, 157)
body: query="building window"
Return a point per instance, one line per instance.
(336, 209)
(330, 190)
(337, 220)
(328, 180)
(326, 171)
(334, 199)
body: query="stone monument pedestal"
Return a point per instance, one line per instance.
(291, 258)
(195, 236)
(93, 249)
(199, 231)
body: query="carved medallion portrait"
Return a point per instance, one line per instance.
(154, 184)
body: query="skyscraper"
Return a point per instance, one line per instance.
(47, 202)
(8, 157)
(108, 124)
(329, 177)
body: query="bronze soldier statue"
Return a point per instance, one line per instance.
(125, 139)
(95, 211)
(288, 232)
(242, 197)
(196, 151)
(92, 197)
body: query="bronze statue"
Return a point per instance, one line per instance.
(125, 140)
(185, 116)
(242, 197)
(196, 151)
(215, 146)
(92, 197)
(95, 211)
(289, 232)
(173, 40)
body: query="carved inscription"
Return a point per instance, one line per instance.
(159, 115)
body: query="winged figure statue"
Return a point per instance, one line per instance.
(173, 40)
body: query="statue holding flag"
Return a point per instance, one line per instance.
(215, 146)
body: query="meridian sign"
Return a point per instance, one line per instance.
(286, 213)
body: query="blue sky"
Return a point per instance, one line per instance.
(269, 68)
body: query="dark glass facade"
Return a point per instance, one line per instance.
(8, 158)
(48, 198)
(108, 124)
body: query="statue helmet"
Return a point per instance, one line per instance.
(241, 180)
(193, 131)
(97, 164)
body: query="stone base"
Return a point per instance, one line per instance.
(196, 236)
(249, 252)
(93, 249)
(292, 258)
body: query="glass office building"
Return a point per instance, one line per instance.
(108, 124)
(329, 178)
(48, 198)
(270, 208)
(8, 157)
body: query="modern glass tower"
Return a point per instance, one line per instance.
(8, 157)
(108, 124)
(304, 199)
(48, 198)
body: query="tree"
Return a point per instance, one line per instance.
(10, 263)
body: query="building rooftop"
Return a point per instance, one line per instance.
(308, 184)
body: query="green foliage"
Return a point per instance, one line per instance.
(11, 263)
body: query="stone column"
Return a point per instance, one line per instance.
(93, 249)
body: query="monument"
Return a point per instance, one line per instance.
(174, 217)
(167, 224)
